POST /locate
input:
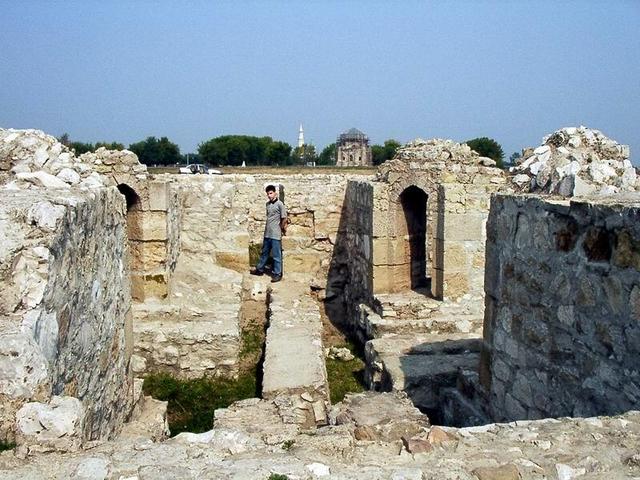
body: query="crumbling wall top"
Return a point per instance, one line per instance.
(438, 161)
(32, 159)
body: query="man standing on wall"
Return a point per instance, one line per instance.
(273, 231)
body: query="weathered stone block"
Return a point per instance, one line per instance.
(456, 257)
(463, 227)
(456, 284)
(147, 226)
(53, 427)
(297, 261)
(290, 242)
(235, 260)
(149, 255)
(159, 198)
(325, 225)
(390, 251)
(149, 285)
(391, 278)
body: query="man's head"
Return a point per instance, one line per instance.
(271, 192)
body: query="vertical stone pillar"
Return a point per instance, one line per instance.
(149, 239)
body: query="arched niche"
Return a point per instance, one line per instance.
(412, 228)
(134, 229)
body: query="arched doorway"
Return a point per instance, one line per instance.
(414, 231)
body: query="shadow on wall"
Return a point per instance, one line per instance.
(350, 274)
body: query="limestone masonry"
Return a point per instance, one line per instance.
(478, 296)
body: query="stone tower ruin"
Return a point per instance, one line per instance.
(353, 150)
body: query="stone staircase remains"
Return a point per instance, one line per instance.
(428, 349)
(195, 330)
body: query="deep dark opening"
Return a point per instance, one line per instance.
(130, 195)
(414, 205)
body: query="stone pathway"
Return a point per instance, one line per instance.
(294, 364)
(379, 445)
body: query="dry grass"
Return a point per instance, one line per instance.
(292, 170)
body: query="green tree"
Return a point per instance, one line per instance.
(79, 147)
(328, 155)
(382, 153)
(153, 151)
(514, 157)
(303, 155)
(109, 145)
(277, 153)
(235, 149)
(487, 147)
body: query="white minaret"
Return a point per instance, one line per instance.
(300, 137)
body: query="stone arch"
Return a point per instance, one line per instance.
(412, 228)
(393, 255)
(131, 196)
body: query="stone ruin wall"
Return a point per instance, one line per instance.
(66, 319)
(562, 318)
(342, 231)
(458, 184)
(223, 216)
(66, 297)
(154, 239)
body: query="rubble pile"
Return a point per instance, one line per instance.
(576, 162)
(32, 159)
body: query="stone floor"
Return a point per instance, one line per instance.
(369, 438)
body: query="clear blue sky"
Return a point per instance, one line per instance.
(510, 70)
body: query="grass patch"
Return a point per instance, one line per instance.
(345, 377)
(7, 446)
(277, 476)
(252, 341)
(192, 402)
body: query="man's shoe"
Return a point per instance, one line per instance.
(277, 278)
(255, 271)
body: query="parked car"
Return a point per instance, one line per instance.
(199, 168)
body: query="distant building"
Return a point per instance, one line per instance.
(353, 150)
(300, 137)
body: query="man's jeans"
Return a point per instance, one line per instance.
(275, 247)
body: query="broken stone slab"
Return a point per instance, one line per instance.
(226, 441)
(503, 472)
(259, 419)
(43, 179)
(50, 427)
(379, 416)
(149, 422)
(377, 327)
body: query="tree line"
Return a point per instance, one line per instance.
(234, 150)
